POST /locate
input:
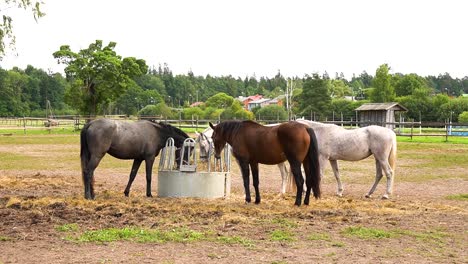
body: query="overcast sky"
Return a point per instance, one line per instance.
(247, 37)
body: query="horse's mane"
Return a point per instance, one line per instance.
(168, 131)
(232, 126)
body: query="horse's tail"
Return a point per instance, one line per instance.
(314, 166)
(84, 151)
(393, 155)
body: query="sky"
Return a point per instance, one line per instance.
(254, 37)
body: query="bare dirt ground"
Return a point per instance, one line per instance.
(419, 224)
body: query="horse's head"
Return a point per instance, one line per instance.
(186, 151)
(205, 145)
(219, 140)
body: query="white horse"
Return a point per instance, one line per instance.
(337, 143)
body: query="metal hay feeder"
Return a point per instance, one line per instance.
(192, 178)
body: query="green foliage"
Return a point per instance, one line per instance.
(98, 75)
(160, 109)
(220, 100)
(193, 112)
(383, 89)
(272, 112)
(7, 37)
(407, 84)
(339, 89)
(315, 96)
(235, 111)
(463, 117)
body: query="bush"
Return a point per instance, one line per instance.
(463, 117)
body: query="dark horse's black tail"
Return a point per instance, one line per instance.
(314, 166)
(84, 151)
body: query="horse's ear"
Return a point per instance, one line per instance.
(211, 125)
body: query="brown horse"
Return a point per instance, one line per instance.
(253, 143)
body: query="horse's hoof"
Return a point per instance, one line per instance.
(149, 195)
(339, 194)
(126, 194)
(385, 197)
(257, 202)
(368, 196)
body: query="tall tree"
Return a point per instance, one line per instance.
(315, 97)
(383, 89)
(7, 37)
(98, 75)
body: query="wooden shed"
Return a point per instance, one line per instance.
(379, 114)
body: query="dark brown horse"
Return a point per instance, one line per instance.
(253, 143)
(140, 141)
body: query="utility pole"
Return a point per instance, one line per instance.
(290, 85)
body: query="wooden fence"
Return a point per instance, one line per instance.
(409, 129)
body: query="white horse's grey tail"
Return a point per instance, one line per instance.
(393, 156)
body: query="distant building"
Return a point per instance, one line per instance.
(265, 102)
(379, 114)
(246, 100)
(197, 104)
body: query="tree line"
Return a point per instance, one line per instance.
(98, 81)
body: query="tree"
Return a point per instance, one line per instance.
(315, 97)
(463, 117)
(98, 75)
(407, 84)
(220, 100)
(7, 37)
(272, 112)
(383, 89)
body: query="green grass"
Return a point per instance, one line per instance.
(282, 235)
(40, 131)
(460, 197)
(236, 240)
(367, 233)
(40, 139)
(285, 222)
(67, 228)
(433, 139)
(4, 238)
(431, 236)
(141, 235)
(319, 236)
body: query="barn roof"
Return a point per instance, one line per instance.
(381, 107)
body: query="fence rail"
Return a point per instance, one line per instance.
(409, 129)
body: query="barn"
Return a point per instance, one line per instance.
(382, 114)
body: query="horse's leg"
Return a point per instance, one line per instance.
(308, 181)
(133, 173)
(336, 172)
(88, 174)
(149, 171)
(378, 176)
(296, 171)
(387, 169)
(254, 168)
(244, 166)
(284, 177)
